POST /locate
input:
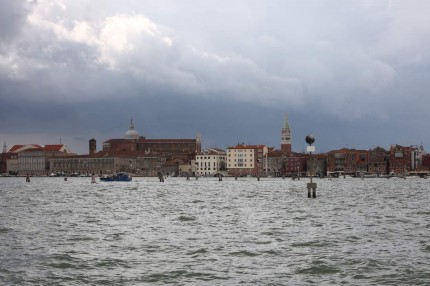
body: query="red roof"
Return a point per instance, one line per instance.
(15, 147)
(35, 147)
(56, 147)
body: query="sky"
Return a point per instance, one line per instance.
(354, 74)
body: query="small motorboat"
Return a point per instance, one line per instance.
(117, 177)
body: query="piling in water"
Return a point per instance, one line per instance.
(312, 187)
(161, 177)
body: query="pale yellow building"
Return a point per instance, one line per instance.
(246, 160)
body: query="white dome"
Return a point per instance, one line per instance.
(131, 133)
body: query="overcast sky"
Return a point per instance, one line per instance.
(354, 74)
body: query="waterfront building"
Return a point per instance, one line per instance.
(417, 157)
(286, 137)
(3, 164)
(170, 148)
(402, 159)
(3, 160)
(35, 159)
(150, 165)
(210, 162)
(316, 165)
(361, 161)
(187, 169)
(378, 161)
(8, 163)
(184, 148)
(277, 163)
(426, 162)
(12, 163)
(336, 161)
(296, 163)
(246, 160)
(174, 166)
(85, 165)
(105, 163)
(347, 161)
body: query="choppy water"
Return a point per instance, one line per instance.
(205, 232)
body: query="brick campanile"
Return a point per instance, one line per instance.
(92, 146)
(286, 137)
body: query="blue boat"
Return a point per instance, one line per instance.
(117, 177)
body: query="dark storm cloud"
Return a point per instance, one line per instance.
(353, 73)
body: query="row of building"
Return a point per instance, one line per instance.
(184, 157)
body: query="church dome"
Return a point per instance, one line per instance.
(131, 133)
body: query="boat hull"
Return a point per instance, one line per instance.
(115, 179)
(120, 177)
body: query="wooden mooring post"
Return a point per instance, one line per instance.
(312, 187)
(161, 177)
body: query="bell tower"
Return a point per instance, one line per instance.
(92, 146)
(286, 137)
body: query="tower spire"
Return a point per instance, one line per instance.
(286, 125)
(131, 124)
(131, 133)
(4, 147)
(286, 137)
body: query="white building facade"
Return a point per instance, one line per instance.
(35, 159)
(210, 162)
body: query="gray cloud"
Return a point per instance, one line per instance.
(337, 67)
(12, 18)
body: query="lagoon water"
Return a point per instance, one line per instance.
(206, 232)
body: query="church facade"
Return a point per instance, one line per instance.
(138, 145)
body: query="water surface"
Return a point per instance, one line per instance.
(206, 232)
